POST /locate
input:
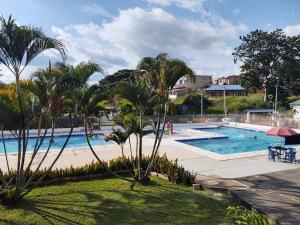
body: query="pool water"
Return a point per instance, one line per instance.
(236, 141)
(76, 140)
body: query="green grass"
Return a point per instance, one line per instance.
(110, 201)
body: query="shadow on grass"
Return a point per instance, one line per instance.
(159, 202)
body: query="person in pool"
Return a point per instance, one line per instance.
(253, 137)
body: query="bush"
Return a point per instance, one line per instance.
(238, 103)
(162, 165)
(239, 215)
(192, 102)
(7, 196)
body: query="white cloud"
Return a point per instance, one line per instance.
(135, 33)
(292, 30)
(96, 9)
(6, 75)
(192, 5)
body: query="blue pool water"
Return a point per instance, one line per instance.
(237, 140)
(76, 140)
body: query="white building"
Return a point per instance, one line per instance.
(296, 108)
(186, 85)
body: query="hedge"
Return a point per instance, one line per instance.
(161, 165)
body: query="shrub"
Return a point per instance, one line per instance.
(7, 196)
(240, 216)
(192, 102)
(161, 165)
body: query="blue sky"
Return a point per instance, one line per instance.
(117, 33)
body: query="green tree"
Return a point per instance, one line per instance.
(108, 83)
(269, 59)
(76, 78)
(19, 45)
(193, 103)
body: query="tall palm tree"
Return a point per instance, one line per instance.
(19, 45)
(161, 73)
(141, 97)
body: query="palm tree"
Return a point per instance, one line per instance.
(77, 77)
(141, 97)
(161, 73)
(19, 45)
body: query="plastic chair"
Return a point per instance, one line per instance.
(272, 154)
(291, 155)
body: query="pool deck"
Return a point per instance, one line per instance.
(204, 163)
(275, 194)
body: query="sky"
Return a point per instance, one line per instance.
(117, 33)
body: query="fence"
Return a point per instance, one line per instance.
(259, 119)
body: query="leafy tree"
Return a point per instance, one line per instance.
(108, 83)
(19, 45)
(193, 102)
(269, 59)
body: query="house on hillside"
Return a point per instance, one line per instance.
(216, 91)
(186, 85)
(296, 108)
(229, 80)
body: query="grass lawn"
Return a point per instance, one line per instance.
(110, 201)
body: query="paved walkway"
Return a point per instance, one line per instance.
(275, 194)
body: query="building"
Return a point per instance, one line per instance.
(230, 90)
(296, 108)
(186, 85)
(233, 79)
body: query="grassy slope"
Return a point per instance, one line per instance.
(111, 201)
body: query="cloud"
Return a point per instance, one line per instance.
(192, 5)
(6, 75)
(136, 33)
(292, 30)
(96, 9)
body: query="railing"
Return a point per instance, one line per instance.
(259, 119)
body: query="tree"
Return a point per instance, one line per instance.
(269, 59)
(161, 73)
(76, 77)
(193, 102)
(108, 83)
(19, 45)
(149, 91)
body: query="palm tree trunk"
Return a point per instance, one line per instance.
(140, 148)
(21, 137)
(131, 155)
(154, 145)
(2, 179)
(43, 159)
(37, 147)
(53, 163)
(155, 150)
(5, 152)
(97, 157)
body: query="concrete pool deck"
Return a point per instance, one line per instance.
(204, 163)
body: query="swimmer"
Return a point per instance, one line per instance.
(253, 137)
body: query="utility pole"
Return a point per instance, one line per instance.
(225, 108)
(265, 89)
(202, 105)
(276, 97)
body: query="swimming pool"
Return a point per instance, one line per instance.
(236, 140)
(76, 140)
